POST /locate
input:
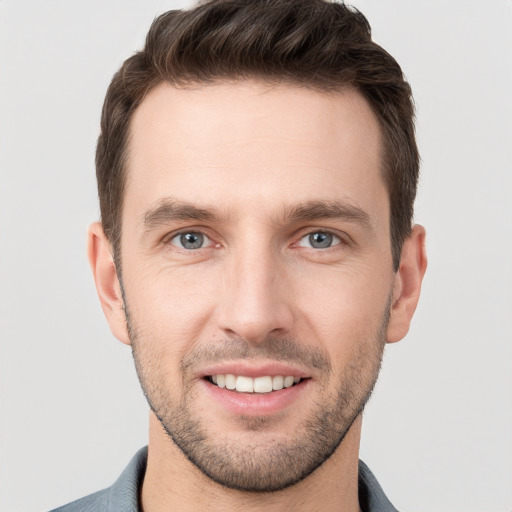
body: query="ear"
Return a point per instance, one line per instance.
(406, 290)
(104, 270)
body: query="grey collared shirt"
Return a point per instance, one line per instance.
(123, 496)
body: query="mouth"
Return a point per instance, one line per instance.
(255, 388)
(254, 385)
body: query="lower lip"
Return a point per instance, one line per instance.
(254, 404)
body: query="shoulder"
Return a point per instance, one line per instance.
(97, 502)
(371, 495)
(122, 495)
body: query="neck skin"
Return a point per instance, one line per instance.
(172, 482)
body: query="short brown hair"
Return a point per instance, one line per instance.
(311, 43)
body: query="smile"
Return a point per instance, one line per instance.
(255, 389)
(244, 384)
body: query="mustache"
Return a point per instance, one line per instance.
(277, 349)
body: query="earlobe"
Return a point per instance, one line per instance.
(107, 282)
(408, 279)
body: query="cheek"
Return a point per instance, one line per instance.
(170, 305)
(343, 307)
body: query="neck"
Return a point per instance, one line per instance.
(172, 482)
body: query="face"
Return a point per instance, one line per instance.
(257, 273)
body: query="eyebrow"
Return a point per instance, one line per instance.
(170, 210)
(313, 210)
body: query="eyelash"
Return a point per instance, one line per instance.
(336, 239)
(168, 240)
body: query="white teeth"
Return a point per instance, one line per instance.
(288, 382)
(278, 382)
(263, 384)
(243, 384)
(230, 381)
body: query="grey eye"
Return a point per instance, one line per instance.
(319, 240)
(190, 241)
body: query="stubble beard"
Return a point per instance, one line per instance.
(263, 463)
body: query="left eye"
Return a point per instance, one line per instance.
(319, 240)
(190, 240)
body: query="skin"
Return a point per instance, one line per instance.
(256, 158)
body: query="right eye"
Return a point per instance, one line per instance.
(190, 240)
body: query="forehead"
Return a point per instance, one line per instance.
(248, 143)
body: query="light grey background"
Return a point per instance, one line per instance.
(438, 431)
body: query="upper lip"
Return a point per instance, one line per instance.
(253, 369)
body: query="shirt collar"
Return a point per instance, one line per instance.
(124, 495)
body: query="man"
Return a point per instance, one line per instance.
(257, 170)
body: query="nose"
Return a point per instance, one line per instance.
(256, 302)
